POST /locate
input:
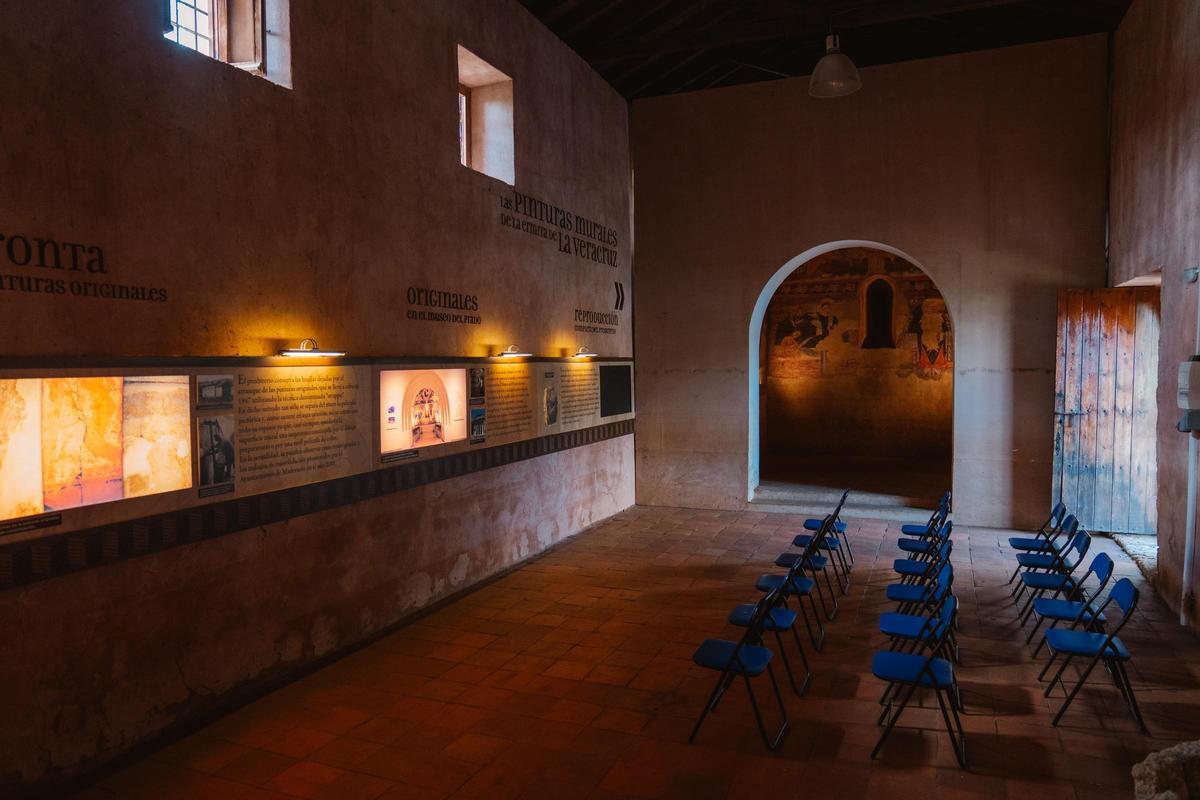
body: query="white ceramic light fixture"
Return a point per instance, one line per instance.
(835, 74)
(512, 351)
(584, 352)
(309, 349)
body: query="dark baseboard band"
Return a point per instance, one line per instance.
(27, 562)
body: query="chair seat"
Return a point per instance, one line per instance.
(815, 525)
(828, 543)
(1053, 608)
(917, 545)
(1048, 581)
(1037, 560)
(1030, 543)
(718, 654)
(908, 668)
(914, 529)
(905, 626)
(1085, 643)
(778, 619)
(786, 560)
(799, 585)
(909, 566)
(905, 593)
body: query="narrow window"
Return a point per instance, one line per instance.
(485, 118)
(464, 125)
(879, 316)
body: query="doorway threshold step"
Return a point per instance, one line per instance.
(790, 498)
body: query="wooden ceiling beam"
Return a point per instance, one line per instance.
(806, 22)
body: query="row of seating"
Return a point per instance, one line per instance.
(823, 551)
(923, 647)
(1049, 588)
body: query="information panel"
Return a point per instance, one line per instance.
(87, 447)
(269, 428)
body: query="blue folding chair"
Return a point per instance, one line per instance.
(1074, 611)
(794, 583)
(911, 596)
(1057, 580)
(1099, 646)
(748, 659)
(1044, 537)
(914, 570)
(1045, 559)
(811, 560)
(909, 632)
(935, 519)
(778, 619)
(927, 547)
(839, 539)
(912, 671)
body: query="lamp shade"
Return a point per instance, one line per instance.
(835, 74)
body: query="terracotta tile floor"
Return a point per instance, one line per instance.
(572, 678)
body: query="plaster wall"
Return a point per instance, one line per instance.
(268, 214)
(985, 169)
(1156, 220)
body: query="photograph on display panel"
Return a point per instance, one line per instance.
(421, 408)
(68, 442)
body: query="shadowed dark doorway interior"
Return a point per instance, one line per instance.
(857, 379)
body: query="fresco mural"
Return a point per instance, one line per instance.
(829, 387)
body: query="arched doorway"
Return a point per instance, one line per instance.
(853, 376)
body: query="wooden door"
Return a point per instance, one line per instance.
(1105, 408)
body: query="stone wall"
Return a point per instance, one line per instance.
(1156, 220)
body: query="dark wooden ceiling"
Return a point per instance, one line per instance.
(654, 47)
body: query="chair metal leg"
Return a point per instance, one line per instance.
(1131, 701)
(787, 667)
(803, 660)
(818, 641)
(762, 728)
(832, 595)
(1071, 695)
(912, 687)
(712, 700)
(959, 743)
(1058, 677)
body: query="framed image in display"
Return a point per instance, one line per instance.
(421, 408)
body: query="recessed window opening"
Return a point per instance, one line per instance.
(485, 118)
(252, 35)
(879, 303)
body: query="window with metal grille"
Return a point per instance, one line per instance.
(192, 25)
(253, 35)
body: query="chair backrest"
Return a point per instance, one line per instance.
(1102, 569)
(1075, 552)
(1054, 521)
(809, 550)
(1125, 595)
(754, 628)
(837, 511)
(937, 627)
(943, 533)
(943, 584)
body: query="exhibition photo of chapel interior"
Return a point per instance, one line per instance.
(599, 399)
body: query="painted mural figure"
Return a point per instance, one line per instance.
(810, 328)
(933, 333)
